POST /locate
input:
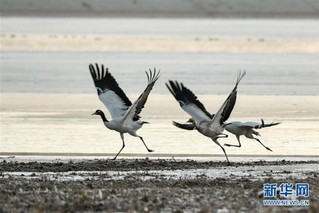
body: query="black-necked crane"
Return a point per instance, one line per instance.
(205, 123)
(125, 115)
(247, 128)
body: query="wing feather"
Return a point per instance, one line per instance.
(226, 109)
(109, 92)
(188, 101)
(136, 108)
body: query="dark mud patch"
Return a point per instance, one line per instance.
(136, 195)
(129, 165)
(138, 190)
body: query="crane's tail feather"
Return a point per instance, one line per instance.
(187, 126)
(263, 124)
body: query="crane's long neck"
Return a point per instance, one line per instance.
(103, 118)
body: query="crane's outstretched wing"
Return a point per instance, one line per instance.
(188, 101)
(134, 111)
(109, 92)
(186, 126)
(225, 110)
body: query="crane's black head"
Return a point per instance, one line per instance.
(100, 113)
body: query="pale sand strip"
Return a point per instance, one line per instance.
(156, 44)
(160, 106)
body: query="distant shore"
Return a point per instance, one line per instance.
(16, 42)
(166, 8)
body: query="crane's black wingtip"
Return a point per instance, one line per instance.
(152, 75)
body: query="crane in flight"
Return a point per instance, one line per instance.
(207, 124)
(125, 115)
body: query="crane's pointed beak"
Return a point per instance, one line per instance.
(94, 113)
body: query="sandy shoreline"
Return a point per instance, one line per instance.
(18, 42)
(150, 185)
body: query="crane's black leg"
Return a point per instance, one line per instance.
(215, 140)
(223, 136)
(149, 150)
(239, 145)
(122, 136)
(263, 144)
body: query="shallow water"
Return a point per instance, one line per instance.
(287, 73)
(62, 124)
(209, 73)
(58, 125)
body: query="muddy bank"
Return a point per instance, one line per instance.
(130, 165)
(131, 194)
(149, 185)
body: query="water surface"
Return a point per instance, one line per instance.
(53, 97)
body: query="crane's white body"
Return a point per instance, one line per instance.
(240, 128)
(247, 129)
(119, 126)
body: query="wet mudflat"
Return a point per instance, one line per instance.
(146, 185)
